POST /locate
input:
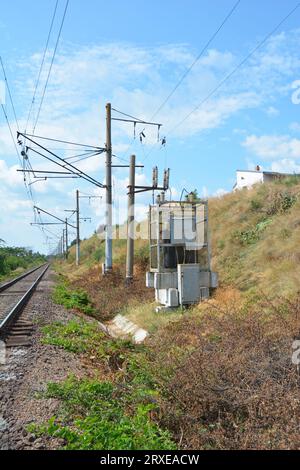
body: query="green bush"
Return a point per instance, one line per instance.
(12, 258)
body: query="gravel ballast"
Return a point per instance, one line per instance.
(27, 371)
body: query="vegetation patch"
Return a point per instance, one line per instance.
(13, 259)
(73, 298)
(117, 414)
(94, 418)
(250, 236)
(80, 336)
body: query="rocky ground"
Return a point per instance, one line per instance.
(26, 372)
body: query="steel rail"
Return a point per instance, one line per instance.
(8, 284)
(22, 302)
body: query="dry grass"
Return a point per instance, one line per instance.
(271, 261)
(108, 293)
(227, 377)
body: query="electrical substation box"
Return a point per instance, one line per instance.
(180, 267)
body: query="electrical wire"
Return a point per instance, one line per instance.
(227, 77)
(51, 65)
(42, 65)
(227, 17)
(11, 134)
(62, 141)
(9, 93)
(197, 58)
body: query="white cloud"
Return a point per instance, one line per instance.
(295, 126)
(286, 166)
(9, 175)
(271, 111)
(270, 147)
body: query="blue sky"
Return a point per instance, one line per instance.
(133, 53)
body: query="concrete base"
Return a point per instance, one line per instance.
(121, 327)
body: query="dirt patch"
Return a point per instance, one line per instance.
(109, 294)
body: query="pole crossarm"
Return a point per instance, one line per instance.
(137, 121)
(46, 172)
(54, 216)
(45, 223)
(133, 119)
(62, 141)
(127, 166)
(66, 165)
(142, 189)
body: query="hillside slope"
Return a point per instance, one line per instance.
(256, 238)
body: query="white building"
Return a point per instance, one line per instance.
(247, 178)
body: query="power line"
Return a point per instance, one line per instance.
(227, 77)
(11, 134)
(27, 187)
(197, 58)
(42, 65)
(51, 65)
(9, 92)
(61, 141)
(66, 165)
(187, 71)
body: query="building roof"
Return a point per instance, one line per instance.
(269, 172)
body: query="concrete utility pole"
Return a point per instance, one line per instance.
(66, 234)
(130, 222)
(77, 229)
(63, 243)
(108, 213)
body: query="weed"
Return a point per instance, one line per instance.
(80, 336)
(250, 236)
(94, 418)
(255, 205)
(69, 298)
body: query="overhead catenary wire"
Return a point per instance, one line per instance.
(9, 92)
(79, 172)
(11, 134)
(62, 141)
(203, 50)
(228, 76)
(42, 65)
(71, 168)
(184, 75)
(51, 65)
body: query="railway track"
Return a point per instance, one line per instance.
(15, 329)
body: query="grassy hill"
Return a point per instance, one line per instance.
(222, 371)
(255, 238)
